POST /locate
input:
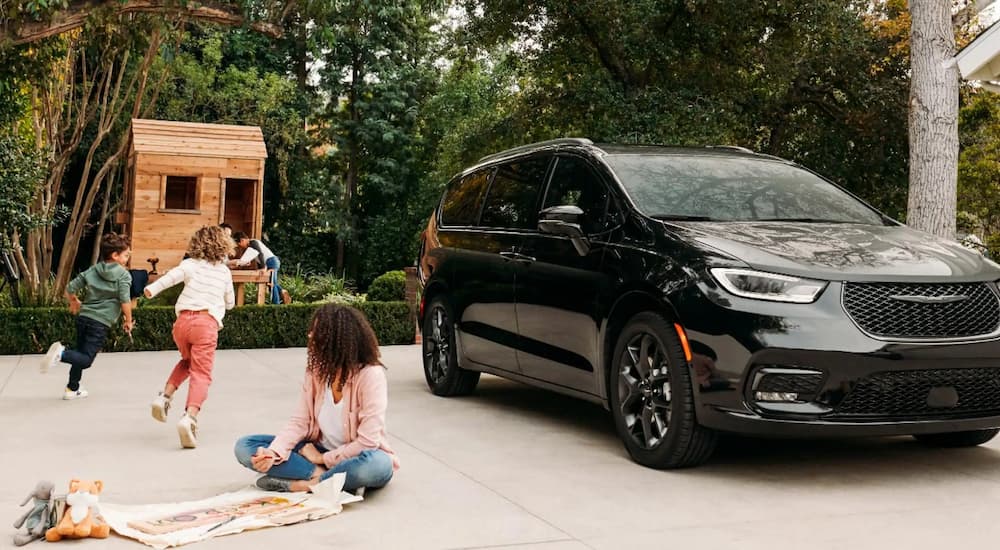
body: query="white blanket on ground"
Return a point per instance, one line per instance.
(326, 500)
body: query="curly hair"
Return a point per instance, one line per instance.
(341, 343)
(211, 244)
(113, 243)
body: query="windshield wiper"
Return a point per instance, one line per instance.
(682, 218)
(803, 220)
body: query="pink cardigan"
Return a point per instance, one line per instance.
(364, 417)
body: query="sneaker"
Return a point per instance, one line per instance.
(52, 357)
(187, 429)
(274, 484)
(69, 395)
(160, 407)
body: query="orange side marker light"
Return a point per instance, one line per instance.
(684, 341)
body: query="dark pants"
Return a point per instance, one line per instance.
(90, 337)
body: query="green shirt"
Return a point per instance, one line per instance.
(107, 285)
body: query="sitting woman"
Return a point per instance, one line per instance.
(339, 425)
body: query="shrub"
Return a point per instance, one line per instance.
(31, 330)
(388, 287)
(309, 289)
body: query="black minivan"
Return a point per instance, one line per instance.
(694, 291)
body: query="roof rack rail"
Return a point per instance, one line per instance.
(530, 146)
(732, 148)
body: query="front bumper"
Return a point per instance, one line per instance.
(863, 386)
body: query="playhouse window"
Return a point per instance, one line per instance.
(180, 193)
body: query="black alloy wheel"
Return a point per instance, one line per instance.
(444, 376)
(651, 396)
(644, 390)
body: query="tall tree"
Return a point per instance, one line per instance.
(934, 85)
(376, 72)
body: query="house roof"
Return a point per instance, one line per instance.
(167, 137)
(980, 59)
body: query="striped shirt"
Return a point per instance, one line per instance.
(207, 286)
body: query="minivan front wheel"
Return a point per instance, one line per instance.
(444, 376)
(958, 439)
(651, 396)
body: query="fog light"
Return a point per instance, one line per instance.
(776, 397)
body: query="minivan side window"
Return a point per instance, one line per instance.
(574, 183)
(512, 201)
(463, 200)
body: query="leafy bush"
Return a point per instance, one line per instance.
(31, 330)
(313, 288)
(388, 287)
(345, 299)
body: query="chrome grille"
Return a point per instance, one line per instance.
(909, 310)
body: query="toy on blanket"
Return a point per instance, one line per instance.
(82, 517)
(38, 518)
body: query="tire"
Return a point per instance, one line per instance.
(958, 439)
(444, 376)
(669, 437)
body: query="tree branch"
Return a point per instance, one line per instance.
(75, 15)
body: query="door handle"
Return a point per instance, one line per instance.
(516, 256)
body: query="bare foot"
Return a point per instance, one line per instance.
(311, 453)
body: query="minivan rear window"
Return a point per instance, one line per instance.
(714, 188)
(463, 200)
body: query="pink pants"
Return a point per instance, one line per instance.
(196, 335)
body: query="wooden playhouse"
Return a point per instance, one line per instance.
(181, 176)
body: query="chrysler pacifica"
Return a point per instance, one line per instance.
(694, 291)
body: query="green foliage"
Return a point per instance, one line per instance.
(21, 176)
(979, 167)
(388, 287)
(31, 330)
(377, 59)
(313, 288)
(816, 81)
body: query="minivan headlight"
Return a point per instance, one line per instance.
(768, 286)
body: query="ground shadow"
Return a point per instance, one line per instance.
(793, 461)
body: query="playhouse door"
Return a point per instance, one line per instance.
(240, 208)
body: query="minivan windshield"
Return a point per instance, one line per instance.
(716, 188)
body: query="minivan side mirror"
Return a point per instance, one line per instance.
(565, 221)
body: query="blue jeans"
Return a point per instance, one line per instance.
(274, 263)
(371, 468)
(90, 337)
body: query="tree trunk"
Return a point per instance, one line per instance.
(95, 254)
(934, 83)
(351, 181)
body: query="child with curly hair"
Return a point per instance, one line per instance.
(208, 293)
(339, 424)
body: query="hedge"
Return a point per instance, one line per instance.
(388, 286)
(31, 330)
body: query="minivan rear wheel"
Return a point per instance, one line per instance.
(651, 396)
(958, 439)
(444, 376)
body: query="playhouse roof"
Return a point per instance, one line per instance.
(167, 137)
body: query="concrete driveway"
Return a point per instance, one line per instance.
(510, 467)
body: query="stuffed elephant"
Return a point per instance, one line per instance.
(38, 518)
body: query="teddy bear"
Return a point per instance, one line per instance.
(37, 519)
(82, 517)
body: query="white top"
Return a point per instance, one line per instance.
(207, 286)
(251, 252)
(331, 421)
